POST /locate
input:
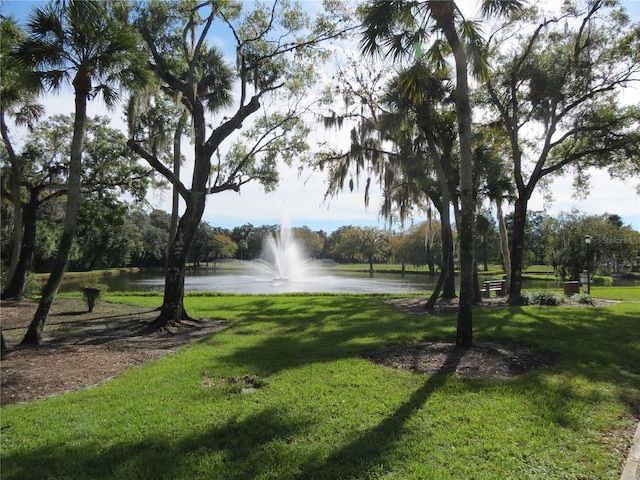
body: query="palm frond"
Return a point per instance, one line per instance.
(476, 47)
(46, 23)
(381, 19)
(109, 95)
(498, 8)
(436, 55)
(216, 83)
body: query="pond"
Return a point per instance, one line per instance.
(318, 280)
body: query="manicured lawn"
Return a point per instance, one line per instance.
(616, 293)
(310, 407)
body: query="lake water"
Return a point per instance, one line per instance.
(319, 281)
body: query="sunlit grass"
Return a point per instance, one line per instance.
(617, 293)
(320, 411)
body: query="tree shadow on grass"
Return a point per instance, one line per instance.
(596, 342)
(317, 331)
(306, 334)
(363, 455)
(234, 451)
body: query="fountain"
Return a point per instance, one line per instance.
(283, 257)
(283, 269)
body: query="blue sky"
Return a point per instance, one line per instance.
(303, 196)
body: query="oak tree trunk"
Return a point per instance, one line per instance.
(517, 250)
(16, 179)
(504, 246)
(172, 312)
(18, 282)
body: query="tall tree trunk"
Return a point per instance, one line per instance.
(485, 261)
(173, 311)
(443, 14)
(82, 86)
(517, 250)
(431, 303)
(177, 163)
(431, 264)
(477, 295)
(17, 284)
(16, 180)
(504, 245)
(446, 280)
(449, 286)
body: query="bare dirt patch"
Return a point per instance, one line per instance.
(482, 359)
(82, 349)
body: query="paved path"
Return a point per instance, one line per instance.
(632, 466)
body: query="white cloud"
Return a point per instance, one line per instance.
(606, 195)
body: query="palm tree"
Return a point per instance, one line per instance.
(398, 28)
(425, 97)
(404, 137)
(82, 42)
(498, 188)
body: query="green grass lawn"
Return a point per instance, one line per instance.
(616, 293)
(312, 408)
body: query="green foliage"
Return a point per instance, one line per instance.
(108, 174)
(420, 245)
(486, 239)
(221, 246)
(614, 247)
(583, 298)
(541, 297)
(148, 235)
(312, 243)
(285, 393)
(33, 289)
(359, 244)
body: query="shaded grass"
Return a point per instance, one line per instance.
(319, 411)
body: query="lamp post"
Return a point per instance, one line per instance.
(587, 240)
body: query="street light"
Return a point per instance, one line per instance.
(587, 240)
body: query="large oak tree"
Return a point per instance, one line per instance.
(275, 54)
(557, 93)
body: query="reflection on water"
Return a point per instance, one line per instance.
(245, 283)
(323, 281)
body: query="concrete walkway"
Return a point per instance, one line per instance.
(632, 466)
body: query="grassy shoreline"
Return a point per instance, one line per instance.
(90, 275)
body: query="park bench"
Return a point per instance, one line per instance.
(493, 286)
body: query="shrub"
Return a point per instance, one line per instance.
(92, 293)
(33, 288)
(541, 297)
(583, 298)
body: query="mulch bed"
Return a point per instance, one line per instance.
(82, 349)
